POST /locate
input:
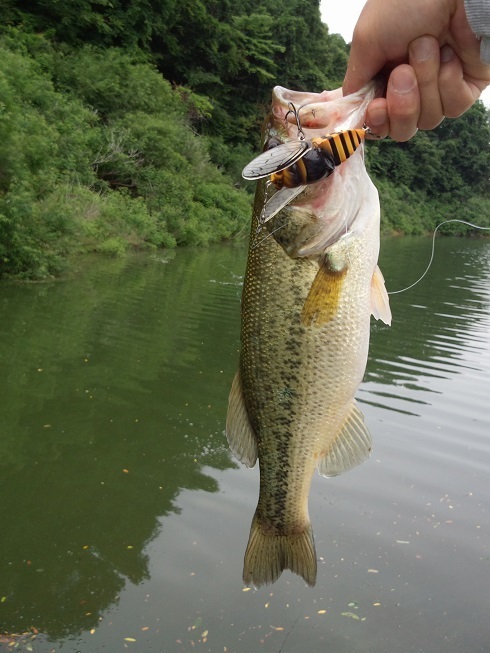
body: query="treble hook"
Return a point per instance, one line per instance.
(295, 112)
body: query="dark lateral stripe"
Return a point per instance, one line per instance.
(354, 139)
(342, 145)
(337, 149)
(325, 145)
(347, 143)
(360, 135)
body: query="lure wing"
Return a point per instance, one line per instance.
(276, 159)
(278, 201)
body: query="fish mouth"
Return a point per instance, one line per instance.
(307, 220)
(298, 114)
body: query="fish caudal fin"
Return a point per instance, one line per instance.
(351, 447)
(380, 302)
(239, 433)
(267, 556)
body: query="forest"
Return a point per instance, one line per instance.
(126, 124)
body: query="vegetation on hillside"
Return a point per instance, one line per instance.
(97, 155)
(126, 124)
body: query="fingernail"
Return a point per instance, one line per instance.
(447, 53)
(422, 49)
(403, 81)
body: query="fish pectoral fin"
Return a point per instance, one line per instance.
(380, 302)
(322, 302)
(351, 447)
(239, 433)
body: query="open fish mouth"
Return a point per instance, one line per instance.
(322, 113)
(308, 137)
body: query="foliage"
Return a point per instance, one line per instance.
(127, 125)
(97, 156)
(229, 52)
(436, 176)
(408, 211)
(443, 162)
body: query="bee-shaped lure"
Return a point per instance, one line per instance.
(291, 166)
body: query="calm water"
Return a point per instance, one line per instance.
(124, 519)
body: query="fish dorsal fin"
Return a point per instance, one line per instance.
(380, 302)
(322, 302)
(239, 433)
(351, 447)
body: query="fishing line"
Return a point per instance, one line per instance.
(469, 224)
(271, 233)
(287, 635)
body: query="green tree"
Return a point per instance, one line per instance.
(97, 155)
(127, 124)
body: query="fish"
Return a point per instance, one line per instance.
(310, 286)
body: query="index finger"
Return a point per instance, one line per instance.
(366, 59)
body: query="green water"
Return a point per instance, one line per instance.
(124, 518)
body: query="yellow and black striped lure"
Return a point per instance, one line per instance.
(301, 162)
(291, 166)
(341, 145)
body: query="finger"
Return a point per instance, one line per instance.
(424, 59)
(457, 94)
(366, 59)
(403, 103)
(357, 74)
(377, 118)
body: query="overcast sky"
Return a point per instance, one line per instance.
(341, 16)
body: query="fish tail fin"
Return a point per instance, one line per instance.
(268, 554)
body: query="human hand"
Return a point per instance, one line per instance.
(431, 57)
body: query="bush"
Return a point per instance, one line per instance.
(97, 156)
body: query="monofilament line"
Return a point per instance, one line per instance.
(475, 226)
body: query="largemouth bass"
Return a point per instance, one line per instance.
(311, 284)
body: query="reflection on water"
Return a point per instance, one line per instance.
(112, 404)
(440, 327)
(124, 518)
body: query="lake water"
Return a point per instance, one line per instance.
(124, 518)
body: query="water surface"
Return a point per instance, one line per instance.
(124, 518)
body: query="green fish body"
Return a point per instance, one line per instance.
(310, 287)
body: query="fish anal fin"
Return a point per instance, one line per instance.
(351, 447)
(380, 302)
(239, 433)
(322, 302)
(268, 554)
